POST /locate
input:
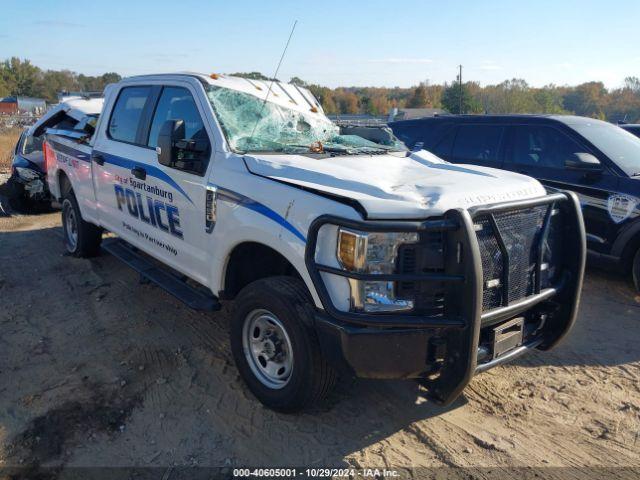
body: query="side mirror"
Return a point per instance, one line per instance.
(171, 132)
(583, 161)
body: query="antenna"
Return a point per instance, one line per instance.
(273, 79)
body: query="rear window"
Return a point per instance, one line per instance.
(125, 119)
(477, 143)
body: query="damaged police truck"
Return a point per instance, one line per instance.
(343, 251)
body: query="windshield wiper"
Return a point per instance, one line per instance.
(637, 174)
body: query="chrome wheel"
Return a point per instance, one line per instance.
(267, 348)
(70, 225)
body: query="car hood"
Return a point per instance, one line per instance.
(398, 185)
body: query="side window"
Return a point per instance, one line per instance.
(542, 146)
(188, 149)
(125, 118)
(32, 145)
(477, 143)
(442, 149)
(177, 103)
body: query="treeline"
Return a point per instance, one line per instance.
(20, 77)
(592, 99)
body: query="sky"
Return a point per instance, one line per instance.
(336, 43)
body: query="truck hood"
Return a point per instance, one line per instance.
(398, 186)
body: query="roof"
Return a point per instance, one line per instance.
(490, 118)
(285, 94)
(411, 113)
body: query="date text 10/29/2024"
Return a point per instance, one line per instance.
(315, 473)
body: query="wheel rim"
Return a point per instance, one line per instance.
(267, 348)
(70, 225)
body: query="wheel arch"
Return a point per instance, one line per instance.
(64, 183)
(248, 261)
(627, 244)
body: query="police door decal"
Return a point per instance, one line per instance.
(621, 206)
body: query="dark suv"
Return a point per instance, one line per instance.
(597, 160)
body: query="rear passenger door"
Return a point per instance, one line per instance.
(478, 144)
(158, 208)
(117, 148)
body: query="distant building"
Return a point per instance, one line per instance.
(22, 105)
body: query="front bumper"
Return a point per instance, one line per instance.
(34, 185)
(447, 349)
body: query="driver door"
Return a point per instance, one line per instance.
(542, 152)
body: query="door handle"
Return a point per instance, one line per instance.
(97, 158)
(139, 173)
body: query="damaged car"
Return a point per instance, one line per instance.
(76, 118)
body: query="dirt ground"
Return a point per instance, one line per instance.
(97, 369)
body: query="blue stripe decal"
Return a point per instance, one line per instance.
(151, 170)
(80, 155)
(239, 199)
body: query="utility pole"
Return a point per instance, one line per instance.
(460, 89)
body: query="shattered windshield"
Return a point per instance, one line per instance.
(251, 125)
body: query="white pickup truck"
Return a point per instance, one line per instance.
(341, 253)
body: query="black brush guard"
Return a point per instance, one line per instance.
(382, 345)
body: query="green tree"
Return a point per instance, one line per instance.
(4, 89)
(588, 99)
(22, 77)
(455, 95)
(251, 75)
(298, 81)
(419, 97)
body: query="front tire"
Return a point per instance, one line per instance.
(81, 239)
(17, 196)
(275, 347)
(636, 270)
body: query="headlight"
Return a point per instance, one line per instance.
(27, 173)
(373, 253)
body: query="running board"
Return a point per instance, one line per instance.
(168, 281)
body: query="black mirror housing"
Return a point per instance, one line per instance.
(583, 161)
(171, 132)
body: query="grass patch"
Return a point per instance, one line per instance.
(8, 140)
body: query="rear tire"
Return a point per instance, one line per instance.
(81, 239)
(275, 347)
(636, 270)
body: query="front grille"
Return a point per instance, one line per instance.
(520, 231)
